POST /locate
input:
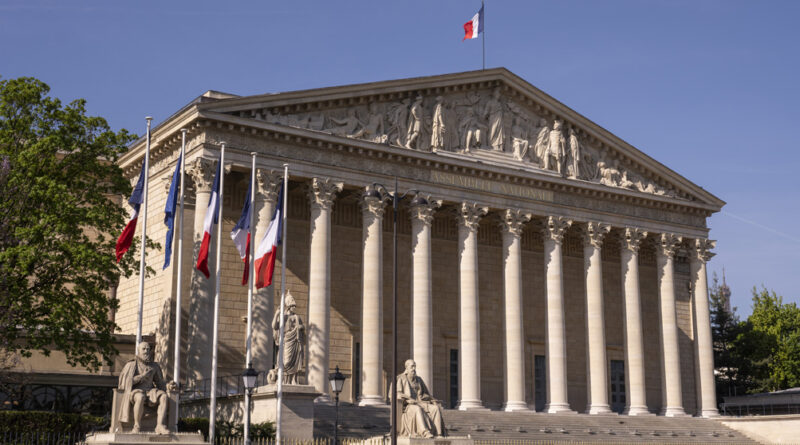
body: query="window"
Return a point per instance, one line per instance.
(453, 378)
(540, 381)
(617, 386)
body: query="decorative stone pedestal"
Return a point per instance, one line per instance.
(449, 440)
(144, 439)
(297, 416)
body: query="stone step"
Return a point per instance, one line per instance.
(362, 422)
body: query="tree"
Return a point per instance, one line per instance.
(58, 225)
(775, 332)
(724, 330)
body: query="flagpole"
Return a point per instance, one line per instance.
(484, 35)
(283, 301)
(213, 410)
(176, 373)
(250, 273)
(144, 236)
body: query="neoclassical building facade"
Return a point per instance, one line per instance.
(542, 263)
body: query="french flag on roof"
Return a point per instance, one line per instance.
(208, 225)
(475, 26)
(126, 238)
(241, 235)
(268, 247)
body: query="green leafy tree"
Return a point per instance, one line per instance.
(724, 330)
(58, 225)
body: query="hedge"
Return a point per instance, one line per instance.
(47, 422)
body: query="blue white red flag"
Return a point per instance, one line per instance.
(268, 247)
(208, 225)
(241, 235)
(474, 27)
(126, 238)
(169, 212)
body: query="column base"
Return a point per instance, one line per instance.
(471, 405)
(515, 406)
(673, 411)
(371, 401)
(710, 413)
(599, 409)
(637, 411)
(558, 408)
(324, 400)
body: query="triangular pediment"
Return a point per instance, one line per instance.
(485, 115)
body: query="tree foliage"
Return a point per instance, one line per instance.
(58, 224)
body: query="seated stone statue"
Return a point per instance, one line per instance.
(144, 387)
(421, 413)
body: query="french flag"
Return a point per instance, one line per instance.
(268, 247)
(126, 238)
(474, 27)
(208, 225)
(241, 236)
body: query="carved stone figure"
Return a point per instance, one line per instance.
(347, 126)
(494, 111)
(421, 413)
(438, 126)
(144, 388)
(373, 130)
(398, 122)
(555, 149)
(294, 339)
(413, 140)
(519, 139)
(470, 129)
(574, 153)
(608, 175)
(541, 141)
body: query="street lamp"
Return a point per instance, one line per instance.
(337, 382)
(249, 377)
(380, 188)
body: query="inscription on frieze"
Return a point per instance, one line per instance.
(486, 185)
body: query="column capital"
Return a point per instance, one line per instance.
(422, 208)
(268, 184)
(594, 233)
(512, 221)
(667, 244)
(701, 249)
(632, 239)
(322, 191)
(469, 215)
(555, 226)
(202, 172)
(372, 202)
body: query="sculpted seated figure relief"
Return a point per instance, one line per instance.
(422, 414)
(144, 387)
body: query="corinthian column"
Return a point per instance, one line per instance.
(469, 214)
(704, 352)
(372, 204)
(201, 323)
(267, 186)
(556, 330)
(595, 322)
(670, 349)
(511, 228)
(636, 402)
(321, 194)
(422, 208)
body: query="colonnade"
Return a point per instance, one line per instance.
(322, 193)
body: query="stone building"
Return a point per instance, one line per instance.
(543, 263)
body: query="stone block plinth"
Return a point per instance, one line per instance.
(144, 439)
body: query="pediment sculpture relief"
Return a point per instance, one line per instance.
(474, 122)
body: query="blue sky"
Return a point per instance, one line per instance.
(709, 88)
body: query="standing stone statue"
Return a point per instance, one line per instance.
(144, 387)
(438, 127)
(422, 414)
(494, 111)
(575, 153)
(415, 125)
(541, 141)
(555, 148)
(471, 130)
(294, 339)
(398, 123)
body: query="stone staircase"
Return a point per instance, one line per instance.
(499, 427)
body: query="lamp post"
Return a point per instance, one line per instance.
(337, 382)
(380, 188)
(249, 377)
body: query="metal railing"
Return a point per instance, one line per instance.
(764, 409)
(227, 385)
(41, 438)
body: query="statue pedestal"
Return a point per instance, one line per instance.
(144, 439)
(449, 440)
(297, 416)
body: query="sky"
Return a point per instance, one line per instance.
(707, 87)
